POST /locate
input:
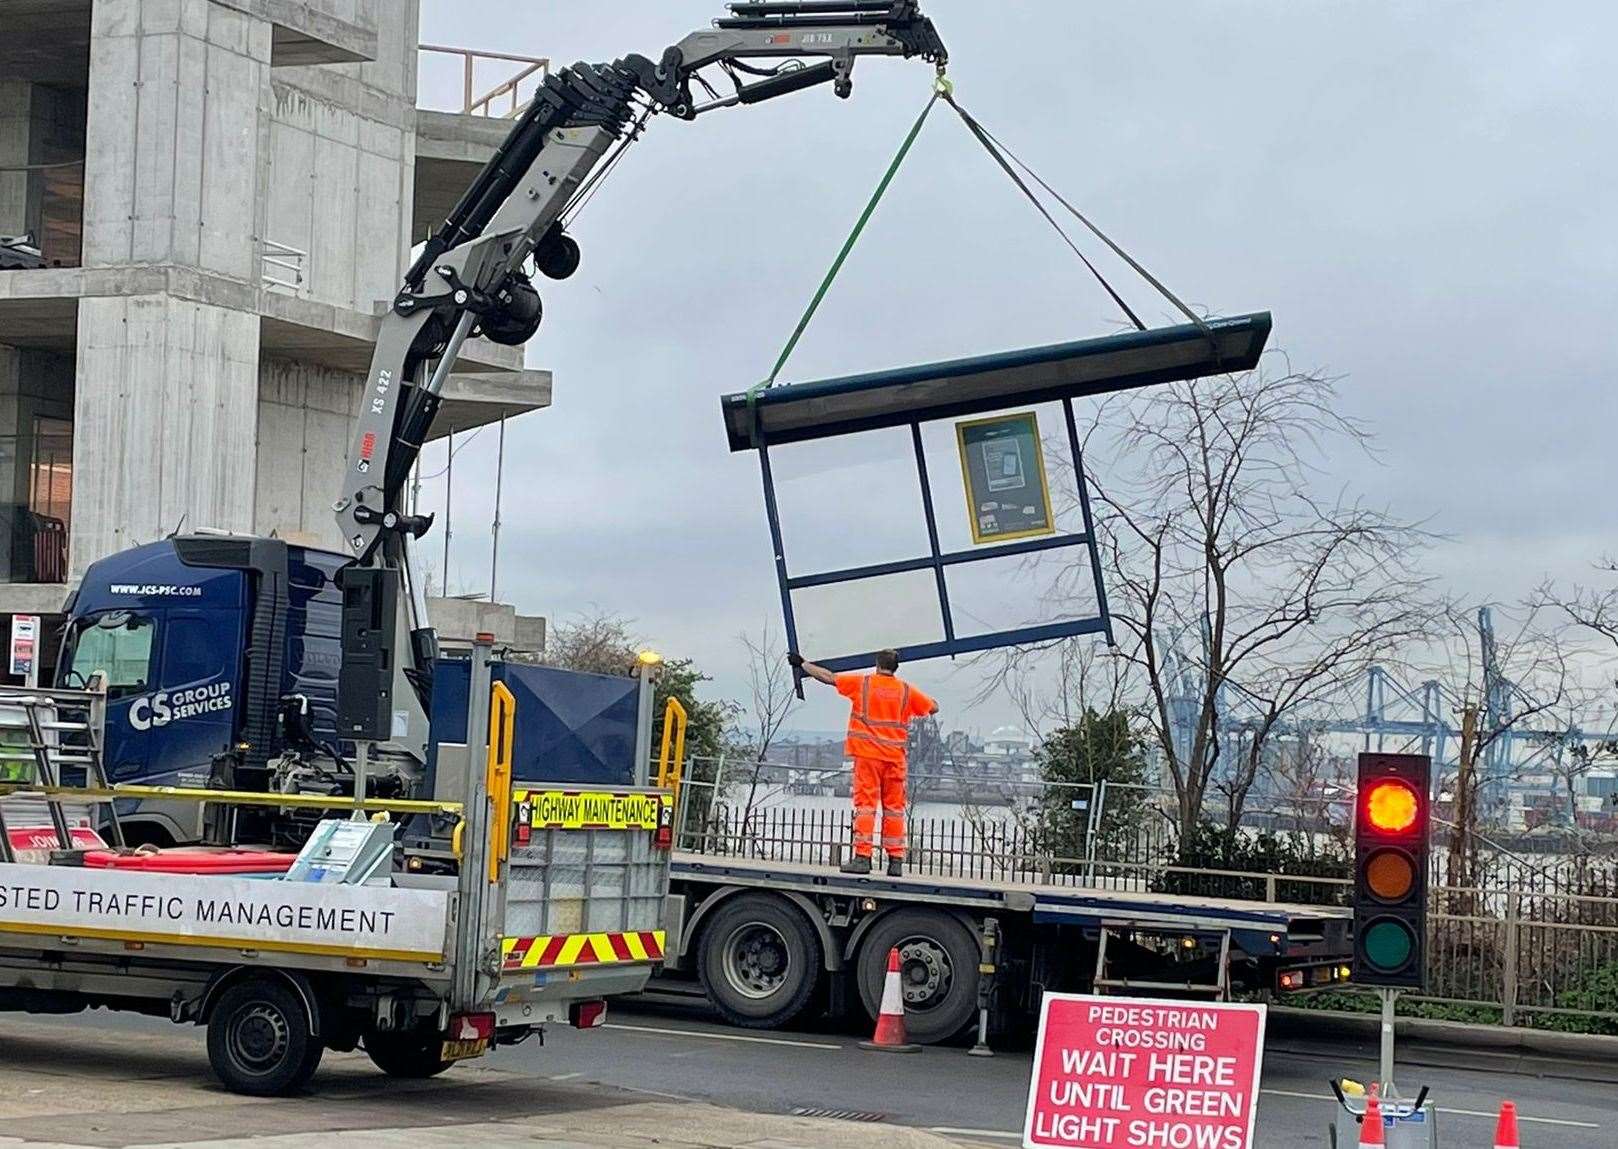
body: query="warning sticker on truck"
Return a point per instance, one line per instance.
(591, 810)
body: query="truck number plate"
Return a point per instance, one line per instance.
(461, 1050)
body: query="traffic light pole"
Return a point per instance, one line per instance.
(1388, 996)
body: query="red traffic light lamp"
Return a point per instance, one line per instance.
(1391, 806)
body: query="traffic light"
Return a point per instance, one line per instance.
(1391, 833)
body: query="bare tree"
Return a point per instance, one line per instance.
(1313, 790)
(596, 642)
(1591, 613)
(1235, 585)
(774, 698)
(1592, 610)
(1053, 684)
(773, 695)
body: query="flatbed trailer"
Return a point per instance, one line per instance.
(767, 939)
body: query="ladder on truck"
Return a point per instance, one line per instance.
(45, 733)
(1200, 939)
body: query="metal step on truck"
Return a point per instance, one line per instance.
(770, 928)
(424, 930)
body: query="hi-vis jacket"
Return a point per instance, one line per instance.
(884, 704)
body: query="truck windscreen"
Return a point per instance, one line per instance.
(117, 645)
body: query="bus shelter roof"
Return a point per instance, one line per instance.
(798, 412)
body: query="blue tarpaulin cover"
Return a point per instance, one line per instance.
(571, 728)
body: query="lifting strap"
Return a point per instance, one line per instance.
(941, 87)
(1002, 156)
(982, 137)
(1000, 153)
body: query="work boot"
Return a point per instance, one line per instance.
(896, 868)
(857, 865)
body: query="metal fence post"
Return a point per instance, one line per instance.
(1092, 831)
(1269, 887)
(1508, 987)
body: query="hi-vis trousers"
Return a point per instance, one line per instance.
(879, 783)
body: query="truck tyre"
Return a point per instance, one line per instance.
(760, 961)
(260, 1041)
(412, 1054)
(938, 970)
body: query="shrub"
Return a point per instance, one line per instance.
(1215, 847)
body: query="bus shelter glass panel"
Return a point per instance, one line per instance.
(892, 610)
(1020, 591)
(852, 501)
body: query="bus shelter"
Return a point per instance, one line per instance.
(960, 389)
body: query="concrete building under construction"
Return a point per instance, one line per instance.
(204, 206)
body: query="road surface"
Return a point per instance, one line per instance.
(670, 1049)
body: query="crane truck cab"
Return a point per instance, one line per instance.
(219, 654)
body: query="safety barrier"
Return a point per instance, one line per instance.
(530, 74)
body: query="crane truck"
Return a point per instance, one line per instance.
(240, 691)
(256, 665)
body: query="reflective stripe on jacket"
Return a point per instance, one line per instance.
(879, 723)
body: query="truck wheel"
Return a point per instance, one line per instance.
(259, 1039)
(760, 961)
(938, 970)
(412, 1054)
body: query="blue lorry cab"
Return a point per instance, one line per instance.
(200, 639)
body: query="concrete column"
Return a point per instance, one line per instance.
(10, 408)
(172, 144)
(14, 105)
(166, 421)
(305, 420)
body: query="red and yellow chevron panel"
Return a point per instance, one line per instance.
(555, 951)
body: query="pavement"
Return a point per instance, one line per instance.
(665, 1073)
(114, 1083)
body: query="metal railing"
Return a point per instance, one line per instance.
(532, 73)
(282, 266)
(1529, 944)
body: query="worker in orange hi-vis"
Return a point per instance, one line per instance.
(883, 705)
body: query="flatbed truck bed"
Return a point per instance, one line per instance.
(767, 939)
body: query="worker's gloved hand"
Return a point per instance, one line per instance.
(794, 660)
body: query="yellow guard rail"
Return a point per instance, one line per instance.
(671, 760)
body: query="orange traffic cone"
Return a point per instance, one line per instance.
(890, 1019)
(1371, 1136)
(1505, 1130)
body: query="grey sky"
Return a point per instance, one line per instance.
(1421, 193)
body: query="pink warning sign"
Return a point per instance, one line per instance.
(1128, 1073)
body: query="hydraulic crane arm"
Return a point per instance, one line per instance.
(471, 276)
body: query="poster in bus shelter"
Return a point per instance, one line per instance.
(1123, 1072)
(1007, 496)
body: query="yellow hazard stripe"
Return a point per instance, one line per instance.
(556, 950)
